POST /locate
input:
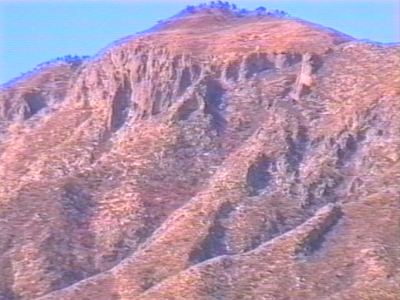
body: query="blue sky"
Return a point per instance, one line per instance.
(32, 32)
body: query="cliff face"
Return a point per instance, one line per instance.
(216, 157)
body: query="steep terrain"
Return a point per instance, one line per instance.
(221, 155)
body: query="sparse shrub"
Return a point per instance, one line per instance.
(16, 128)
(225, 5)
(190, 9)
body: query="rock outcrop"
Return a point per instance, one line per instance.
(221, 155)
(35, 93)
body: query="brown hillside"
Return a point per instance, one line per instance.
(218, 156)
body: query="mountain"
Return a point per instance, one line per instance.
(223, 154)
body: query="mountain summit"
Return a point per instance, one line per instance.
(223, 154)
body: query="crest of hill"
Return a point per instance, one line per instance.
(53, 65)
(219, 28)
(232, 28)
(213, 13)
(220, 7)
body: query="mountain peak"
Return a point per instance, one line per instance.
(222, 155)
(214, 13)
(221, 7)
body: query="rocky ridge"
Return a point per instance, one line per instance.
(220, 155)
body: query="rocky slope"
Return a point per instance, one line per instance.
(221, 155)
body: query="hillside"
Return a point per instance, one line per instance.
(220, 155)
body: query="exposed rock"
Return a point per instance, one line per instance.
(29, 95)
(304, 79)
